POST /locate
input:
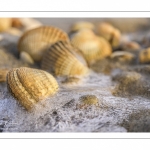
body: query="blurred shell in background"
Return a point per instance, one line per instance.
(62, 59)
(29, 23)
(26, 58)
(36, 41)
(93, 47)
(110, 33)
(5, 24)
(82, 25)
(144, 56)
(29, 86)
(122, 56)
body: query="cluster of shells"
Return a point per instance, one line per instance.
(61, 54)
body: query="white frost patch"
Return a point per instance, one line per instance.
(60, 113)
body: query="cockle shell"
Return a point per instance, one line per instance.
(144, 56)
(110, 33)
(92, 46)
(37, 40)
(82, 25)
(29, 85)
(5, 24)
(65, 60)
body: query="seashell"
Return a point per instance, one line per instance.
(5, 24)
(16, 22)
(25, 57)
(88, 100)
(110, 33)
(36, 41)
(30, 23)
(29, 85)
(3, 73)
(122, 56)
(144, 56)
(92, 46)
(131, 46)
(65, 60)
(82, 25)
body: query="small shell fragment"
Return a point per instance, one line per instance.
(122, 56)
(29, 85)
(110, 33)
(25, 57)
(144, 56)
(92, 46)
(62, 59)
(88, 100)
(37, 40)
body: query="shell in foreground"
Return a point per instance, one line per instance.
(36, 41)
(29, 86)
(82, 25)
(110, 33)
(92, 46)
(62, 59)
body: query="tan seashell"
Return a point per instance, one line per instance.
(30, 23)
(82, 25)
(3, 73)
(25, 57)
(110, 33)
(5, 24)
(29, 85)
(16, 22)
(92, 46)
(144, 56)
(36, 41)
(122, 56)
(131, 46)
(88, 100)
(63, 59)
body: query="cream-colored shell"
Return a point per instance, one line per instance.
(25, 57)
(82, 25)
(110, 33)
(36, 41)
(5, 24)
(93, 47)
(144, 56)
(29, 85)
(62, 59)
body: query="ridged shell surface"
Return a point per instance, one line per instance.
(82, 25)
(37, 40)
(29, 86)
(62, 59)
(92, 46)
